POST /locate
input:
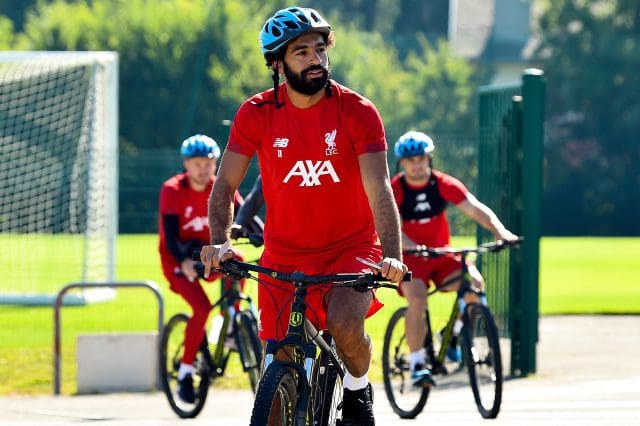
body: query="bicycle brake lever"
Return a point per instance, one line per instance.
(370, 264)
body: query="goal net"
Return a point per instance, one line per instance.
(58, 173)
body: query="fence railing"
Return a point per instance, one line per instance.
(510, 151)
(57, 358)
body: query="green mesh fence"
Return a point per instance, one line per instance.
(510, 182)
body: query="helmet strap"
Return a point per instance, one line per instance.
(276, 82)
(328, 89)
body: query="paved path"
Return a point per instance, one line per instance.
(588, 374)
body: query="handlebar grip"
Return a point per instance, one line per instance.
(408, 276)
(195, 255)
(199, 268)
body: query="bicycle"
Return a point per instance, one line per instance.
(306, 389)
(211, 358)
(479, 342)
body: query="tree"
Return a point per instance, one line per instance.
(184, 68)
(6, 33)
(186, 65)
(590, 51)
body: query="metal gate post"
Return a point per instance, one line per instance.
(56, 316)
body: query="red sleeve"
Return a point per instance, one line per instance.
(245, 130)
(168, 204)
(451, 188)
(367, 130)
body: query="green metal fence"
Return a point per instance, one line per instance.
(510, 182)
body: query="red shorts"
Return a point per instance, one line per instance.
(432, 269)
(275, 297)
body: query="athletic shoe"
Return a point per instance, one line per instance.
(357, 408)
(454, 354)
(422, 377)
(185, 390)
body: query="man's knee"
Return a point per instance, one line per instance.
(416, 293)
(344, 326)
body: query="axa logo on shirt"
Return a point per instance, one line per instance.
(422, 205)
(310, 171)
(198, 224)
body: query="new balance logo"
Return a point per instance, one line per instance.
(281, 142)
(310, 171)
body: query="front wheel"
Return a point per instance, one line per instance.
(171, 351)
(406, 400)
(482, 357)
(276, 398)
(326, 394)
(249, 346)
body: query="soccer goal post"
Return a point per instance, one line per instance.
(58, 173)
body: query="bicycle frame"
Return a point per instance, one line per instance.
(301, 342)
(457, 309)
(479, 342)
(227, 300)
(302, 337)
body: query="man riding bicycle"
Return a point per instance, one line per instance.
(422, 195)
(183, 227)
(322, 154)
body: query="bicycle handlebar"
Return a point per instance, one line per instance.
(492, 246)
(360, 281)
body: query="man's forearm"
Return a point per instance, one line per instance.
(387, 220)
(220, 211)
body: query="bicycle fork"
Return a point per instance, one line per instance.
(300, 349)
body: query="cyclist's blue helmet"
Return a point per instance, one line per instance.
(413, 143)
(288, 24)
(200, 146)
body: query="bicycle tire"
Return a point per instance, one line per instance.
(481, 346)
(406, 400)
(171, 350)
(326, 399)
(249, 346)
(278, 389)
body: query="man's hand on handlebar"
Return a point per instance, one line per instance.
(393, 269)
(390, 268)
(187, 267)
(212, 255)
(506, 235)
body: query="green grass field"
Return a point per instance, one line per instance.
(577, 275)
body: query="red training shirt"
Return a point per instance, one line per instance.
(315, 200)
(177, 197)
(423, 207)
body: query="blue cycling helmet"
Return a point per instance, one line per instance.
(200, 146)
(413, 143)
(288, 24)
